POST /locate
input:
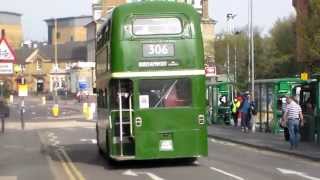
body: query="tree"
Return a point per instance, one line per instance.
(283, 48)
(310, 32)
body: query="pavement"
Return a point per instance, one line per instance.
(264, 141)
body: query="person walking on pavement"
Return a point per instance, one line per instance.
(245, 110)
(235, 111)
(293, 116)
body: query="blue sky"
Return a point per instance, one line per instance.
(266, 12)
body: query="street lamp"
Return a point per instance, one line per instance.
(251, 54)
(230, 29)
(230, 17)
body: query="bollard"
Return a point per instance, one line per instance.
(55, 110)
(43, 100)
(11, 99)
(85, 109)
(89, 115)
(2, 124)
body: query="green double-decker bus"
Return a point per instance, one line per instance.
(151, 83)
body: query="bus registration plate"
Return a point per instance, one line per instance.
(158, 50)
(166, 145)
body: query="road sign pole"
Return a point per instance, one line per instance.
(22, 113)
(2, 124)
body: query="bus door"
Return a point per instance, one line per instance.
(121, 118)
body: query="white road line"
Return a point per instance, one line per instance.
(129, 172)
(93, 141)
(297, 173)
(33, 113)
(226, 173)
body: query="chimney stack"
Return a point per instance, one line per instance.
(3, 33)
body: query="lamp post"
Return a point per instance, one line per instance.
(55, 108)
(251, 55)
(230, 17)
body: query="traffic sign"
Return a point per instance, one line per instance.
(6, 68)
(304, 76)
(6, 52)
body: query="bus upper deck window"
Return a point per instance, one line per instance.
(156, 26)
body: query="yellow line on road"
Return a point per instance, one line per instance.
(65, 167)
(71, 165)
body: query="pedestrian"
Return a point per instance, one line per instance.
(294, 118)
(235, 111)
(245, 110)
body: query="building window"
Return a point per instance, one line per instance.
(38, 66)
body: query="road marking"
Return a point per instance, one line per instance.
(297, 173)
(93, 141)
(33, 113)
(8, 178)
(65, 166)
(151, 175)
(71, 165)
(226, 173)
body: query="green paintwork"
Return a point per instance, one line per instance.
(126, 48)
(180, 124)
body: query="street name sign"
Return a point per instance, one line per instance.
(6, 68)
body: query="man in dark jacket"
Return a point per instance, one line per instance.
(4, 112)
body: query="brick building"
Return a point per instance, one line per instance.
(301, 7)
(37, 66)
(11, 23)
(69, 29)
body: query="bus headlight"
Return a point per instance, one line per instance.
(138, 121)
(201, 119)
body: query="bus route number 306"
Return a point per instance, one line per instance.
(158, 50)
